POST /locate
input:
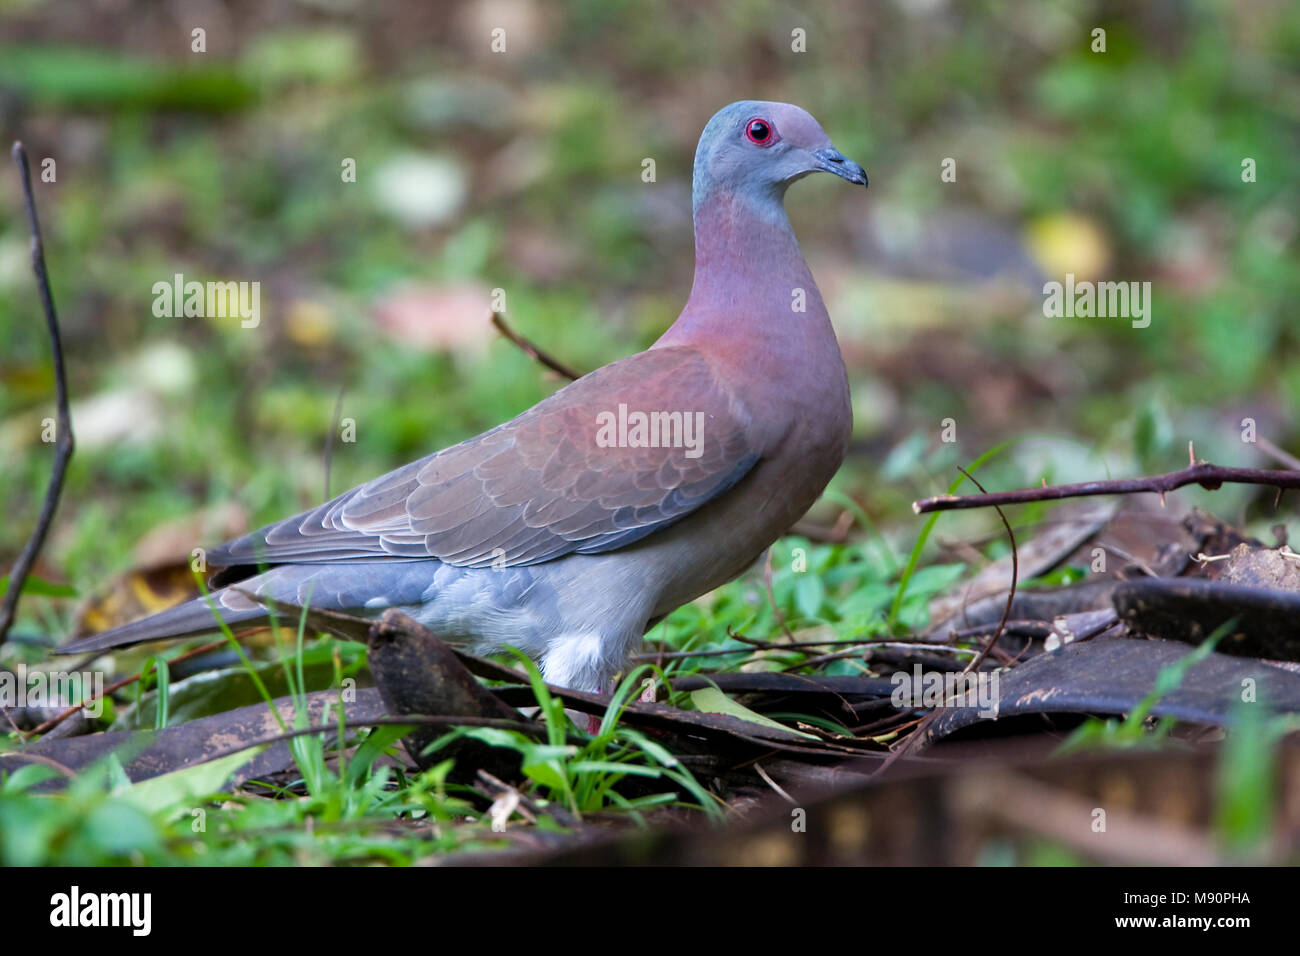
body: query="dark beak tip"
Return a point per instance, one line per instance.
(835, 161)
(832, 161)
(859, 175)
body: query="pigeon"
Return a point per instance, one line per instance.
(572, 529)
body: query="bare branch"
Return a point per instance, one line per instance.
(118, 685)
(1201, 473)
(532, 351)
(63, 443)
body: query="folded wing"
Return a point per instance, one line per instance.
(561, 478)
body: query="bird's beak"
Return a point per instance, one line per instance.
(833, 161)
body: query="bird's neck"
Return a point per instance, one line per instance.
(751, 281)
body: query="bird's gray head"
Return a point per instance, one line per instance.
(754, 150)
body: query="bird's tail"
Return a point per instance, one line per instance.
(185, 620)
(350, 587)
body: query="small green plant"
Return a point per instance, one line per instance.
(155, 673)
(582, 772)
(1133, 730)
(1246, 779)
(914, 558)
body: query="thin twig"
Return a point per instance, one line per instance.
(118, 685)
(1022, 628)
(873, 645)
(772, 783)
(1011, 592)
(917, 738)
(1201, 473)
(43, 760)
(532, 351)
(1281, 456)
(329, 441)
(400, 720)
(22, 734)
(793, 646)
(63, 443)
(771, 596)
(553, 810)
(416, 720)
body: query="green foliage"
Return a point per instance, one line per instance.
(86, 824)
(62, 76)
(161, 673)
(584, 778)
(919, 547)
(36, 586)
(230, 168)
(1133, 730)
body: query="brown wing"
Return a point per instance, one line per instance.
(545, 484)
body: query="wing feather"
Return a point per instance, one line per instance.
(542, 485)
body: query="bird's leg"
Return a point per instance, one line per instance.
(593, 720)
(575, 660)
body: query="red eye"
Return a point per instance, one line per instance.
(760, 132)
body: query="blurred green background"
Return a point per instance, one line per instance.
(521, 170)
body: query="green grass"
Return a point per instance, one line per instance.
(234, 173)
(347, 805)
(1138, 728)
(1246, 777)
